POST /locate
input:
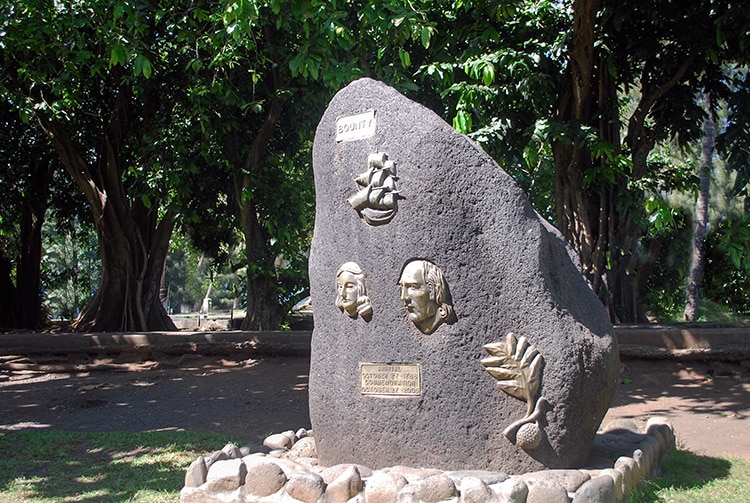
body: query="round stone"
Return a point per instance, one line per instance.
(264, 478)
(278, 441)
(305, 486)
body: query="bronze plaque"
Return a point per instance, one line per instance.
(396, 379)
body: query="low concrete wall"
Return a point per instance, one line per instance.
(684, 341)
(224, 342)
(680, 341)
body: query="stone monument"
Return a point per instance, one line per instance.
(453, 328)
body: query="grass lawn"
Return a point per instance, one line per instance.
(688, 477)
(53, 466)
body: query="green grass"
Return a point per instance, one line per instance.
(667, 311)
(53, 466)
(712, 312)
(688, 477)
(149, 467)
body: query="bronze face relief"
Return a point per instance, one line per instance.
(351, 293)
(425, 295)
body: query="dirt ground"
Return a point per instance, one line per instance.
(707, 402)
(246, 399)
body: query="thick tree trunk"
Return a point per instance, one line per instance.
(21, 302)
(598, 211)
(133, 242)
(263, 308)
(29, 301)
(7, 292)
(127, 298)
(586, 213)
(695, 274)
(625, 258)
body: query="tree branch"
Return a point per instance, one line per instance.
(74, 164)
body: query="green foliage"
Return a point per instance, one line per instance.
(508, 80)
(70, 267)
(727, 275)
(106, 82)
(31, 183)
(733, 141)
(224, 98)
(669, 207)
(289, 219)
(14, 175)
(228, 288)
(259, 87)
(184, 279)
(663, 288)
(496, 68)
(536, 173)
(190, 273)
(31, 177)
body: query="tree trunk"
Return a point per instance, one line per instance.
(625, 258)
(128, 295)
(586, 212)
(29, 285)
(700, 226)
(7, 292)
(21, 303)
(263, 308)
(598, 211)
(133, 242)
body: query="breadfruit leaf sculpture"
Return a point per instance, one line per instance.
(517, 366)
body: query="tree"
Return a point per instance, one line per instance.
(727, 271)
(241, 116)
(595, 61)
(205, 109)
(28, 165)
(110, 82)
(261, 84)
(700, 226)
(600, 179)
(495, 68)
(100, 79)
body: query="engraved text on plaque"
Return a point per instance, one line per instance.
(390, 379)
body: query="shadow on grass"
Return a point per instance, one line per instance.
(54, 466)
(684, 476)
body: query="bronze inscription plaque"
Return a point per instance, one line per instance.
(396, 379)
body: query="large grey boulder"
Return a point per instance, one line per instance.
(412, 362)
